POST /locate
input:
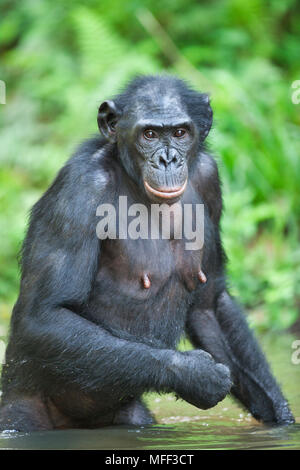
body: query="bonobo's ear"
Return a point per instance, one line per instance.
(108, 115)
(207, 116)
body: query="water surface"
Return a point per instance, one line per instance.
(184, 427)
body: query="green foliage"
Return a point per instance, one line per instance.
(60, 59)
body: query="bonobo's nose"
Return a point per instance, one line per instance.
(166, 157)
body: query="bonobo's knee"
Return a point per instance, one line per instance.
(25, 415)
(135, 413)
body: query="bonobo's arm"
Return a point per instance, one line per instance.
(52, 339)
(221, 328)
(224, 333)
(53, 346)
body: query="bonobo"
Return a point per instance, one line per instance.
(99, 316)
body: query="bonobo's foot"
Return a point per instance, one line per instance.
(275, 413)
(284, 415)
(198, 379)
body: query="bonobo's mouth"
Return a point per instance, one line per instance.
(168, 193)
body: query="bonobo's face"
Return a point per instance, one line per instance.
(161, 139)
(156, 139)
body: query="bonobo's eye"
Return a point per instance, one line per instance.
(150, 134)
(179, 133)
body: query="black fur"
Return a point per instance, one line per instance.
(87, 339)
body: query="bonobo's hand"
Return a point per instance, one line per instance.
(198, 379)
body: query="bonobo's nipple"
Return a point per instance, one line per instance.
(146, 281)
(201, 276)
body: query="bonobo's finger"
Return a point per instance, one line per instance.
(223, 369)
(199, 380)
(199, 355)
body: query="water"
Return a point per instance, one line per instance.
(184, 427)
(183, 436)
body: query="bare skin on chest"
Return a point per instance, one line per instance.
(133, 270)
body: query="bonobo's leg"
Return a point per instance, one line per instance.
(135, 413)
(26, 415)
(227, 337)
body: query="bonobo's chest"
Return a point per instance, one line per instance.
(148, 246)
(145, 284)
(140, 269)
(144, 288)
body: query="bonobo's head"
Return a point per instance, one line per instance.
(159, 125)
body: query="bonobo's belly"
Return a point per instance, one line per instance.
(146, 291)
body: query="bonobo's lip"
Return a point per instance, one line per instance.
(166, 194)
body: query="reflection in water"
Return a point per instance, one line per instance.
(185, 427)
(182, 436)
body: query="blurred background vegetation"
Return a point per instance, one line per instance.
(60, 59)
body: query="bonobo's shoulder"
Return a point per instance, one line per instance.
(91, 163)
(80, 186)
(207, 166)
(205, 172)
(86, 175)
(206, 181)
